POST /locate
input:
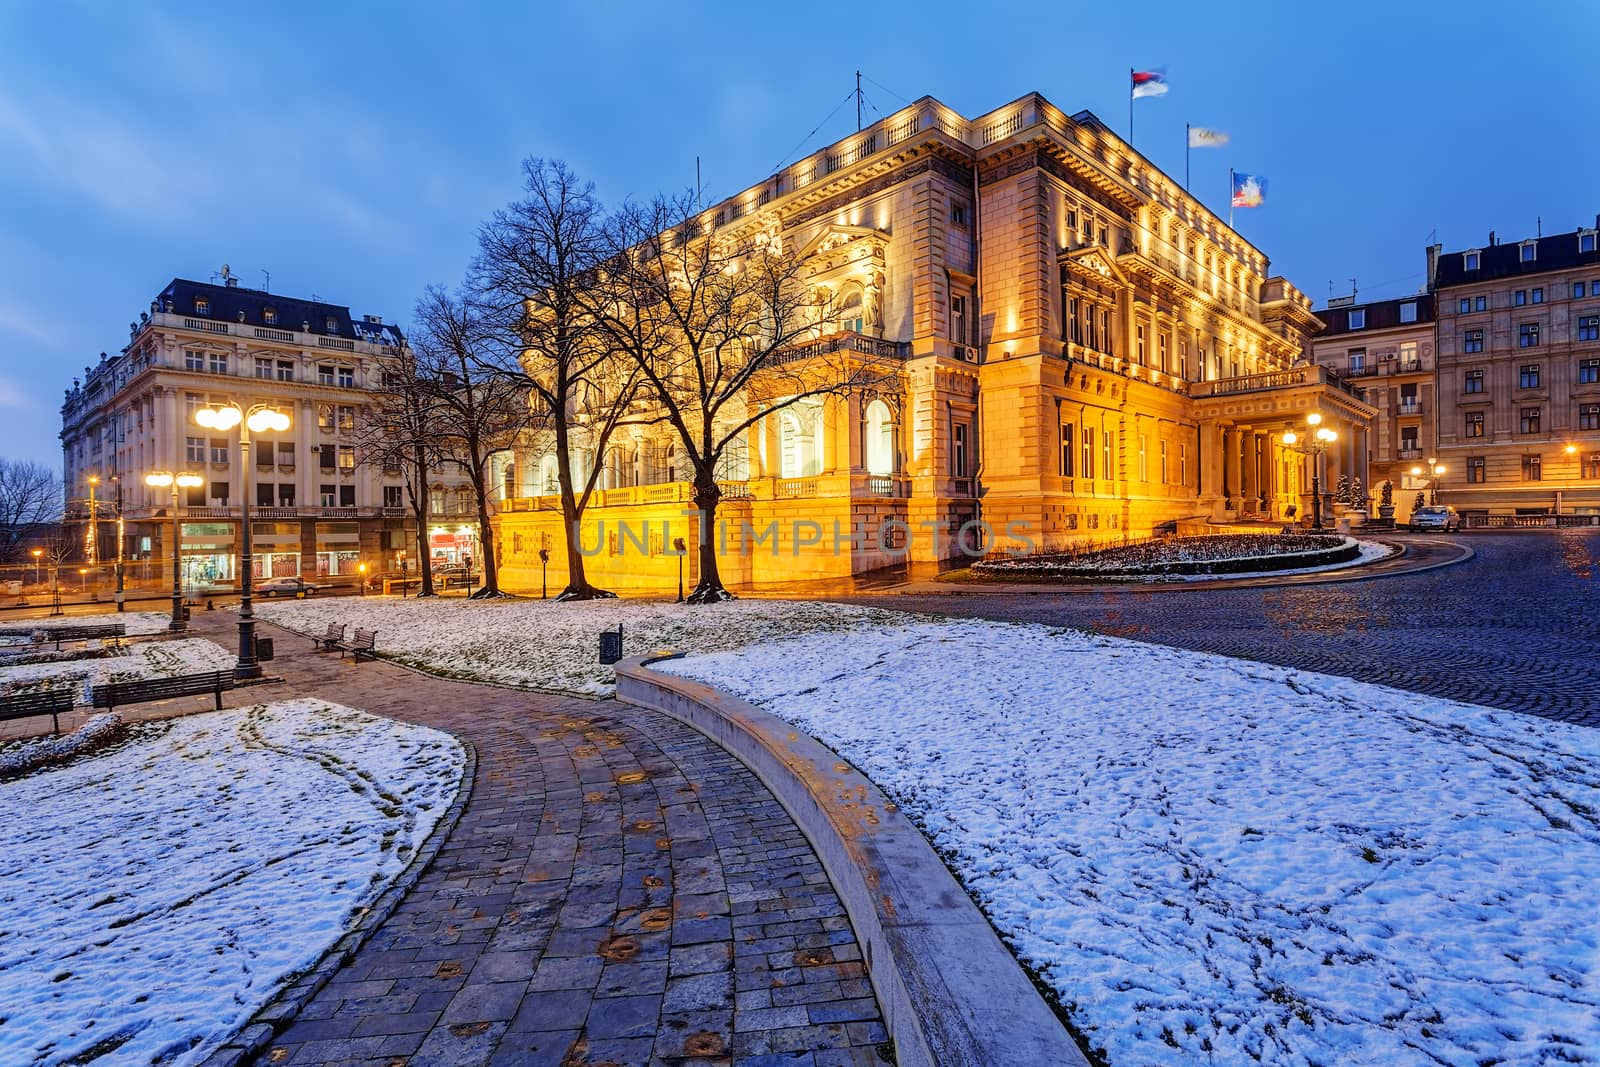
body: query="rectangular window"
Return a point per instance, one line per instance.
(1473, 382)
(1088, 452)
(1577, 291)
(1358, 360)
(286, 454)
(958, 319)
(1408, 311)
(1161, 351)
(1589, 416)
(1164, 468)
(194, 449)
(202, 306)
(1358, 318)
(325, 457)
(1586, 241)
(347, 418)
(285, 370)
(219, 450)
(193, 360)
(1183, 464)
(1408, 356)
(326, 492)
(219, 363)
(1475, 470)
(392, 496)
(1105, 454)
(347, 496)
(1530, 251)
(219, 493)
(1473, 341)
(324, 416)
(1138, 344)
(958, 454)
(324, 373)
(1538, 295)
(1529, 421)
(1068, 442)
(347, 458)
(1520, 298)
(1588, 371)
(194, 497)
(1591, 465)
(1589, 328)
(1474, 424)
(1470, 261)
(269, 316)
(958, 214)
(1531, 468)
(286, 494)
(264, 494)
(347, 377)
(1528, 376)
(1144, 469)
(1465, 305)
(263, 368)
(1528, 335)
(264, 453)
(1480, 303)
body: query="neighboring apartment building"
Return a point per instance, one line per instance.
(1519, 375)
(1387, 348)
(1082, 349)
(317, 508)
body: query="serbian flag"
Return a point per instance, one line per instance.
(1249, 190)
(1150, 82)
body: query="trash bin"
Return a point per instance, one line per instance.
(263, 649)
(186, 613)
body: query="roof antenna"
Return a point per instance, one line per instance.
(266, 286)
(1352, 288)
(858, 101)
(697, 181)
(1538, 225)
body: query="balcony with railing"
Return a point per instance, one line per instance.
(845, 341)
(1409, 453)
(1408, 407)
(1311, 374)
(814, 487)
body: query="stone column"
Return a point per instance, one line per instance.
(1230, 465)
(1248, 471)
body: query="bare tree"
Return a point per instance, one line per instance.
(536, 270)
(398, 433)
(715, 325)
(30, 498)
(477, 412)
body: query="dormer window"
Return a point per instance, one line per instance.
(1469, 261)
(331, 324)
(202, 306)
(1586, 241)
(1358, 318)
(269, 316)
(1529, 251)
(1408, 311)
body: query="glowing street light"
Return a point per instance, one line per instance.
(1313, 442)
(166, 480)
(261, 418)
(1435, 468)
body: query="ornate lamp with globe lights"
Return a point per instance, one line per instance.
(166, 480)
(1435, 468)
(1313, 442)
(260, 418)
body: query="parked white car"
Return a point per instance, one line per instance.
(1436, 517)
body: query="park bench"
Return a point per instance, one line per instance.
(51, 702)
(332, 639)
(58, 634)
(361, 647)
(111, 694)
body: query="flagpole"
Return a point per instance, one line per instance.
(1130, 107)
(1186, 157)
(1230, 198)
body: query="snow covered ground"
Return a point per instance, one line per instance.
(136, 623)
(545, 645)
(147, 659)
(1217, 861)
(157, 894)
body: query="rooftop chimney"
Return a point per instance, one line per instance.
(1491, 239)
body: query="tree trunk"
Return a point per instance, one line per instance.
(578, 587)
(491, 566)
(419, 505)
(707, 495)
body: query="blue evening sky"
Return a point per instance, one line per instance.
(351, 148)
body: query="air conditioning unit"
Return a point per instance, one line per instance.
(965, 353)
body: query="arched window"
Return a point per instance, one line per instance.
(850, 308)
(880, 439)
(549, 477)
(800, 442)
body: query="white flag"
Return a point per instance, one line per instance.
(1200, 137)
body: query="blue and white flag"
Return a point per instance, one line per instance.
(1249, 190)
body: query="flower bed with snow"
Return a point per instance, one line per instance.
(1220, 554)
(159, 893)
(136, 623)
(21, 757)
(1211, 860)
(148, 659)
(545, 645)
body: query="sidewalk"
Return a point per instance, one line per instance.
(618, 890)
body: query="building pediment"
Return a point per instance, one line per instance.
(1093, 262)
(842, 246)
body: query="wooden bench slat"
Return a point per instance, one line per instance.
(144, 690)
(51, 702)
(363, 645)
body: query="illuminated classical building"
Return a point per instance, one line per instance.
(317, 507)
(1085, 352)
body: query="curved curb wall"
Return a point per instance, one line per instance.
(949, 991)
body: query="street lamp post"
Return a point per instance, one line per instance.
(91, 548)
(1313, 442)
(1435, 468)
(163, 480)
(260, 419)
(36, 554)
(121, 539)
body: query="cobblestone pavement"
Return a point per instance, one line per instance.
(619, 890)
(1517, 627)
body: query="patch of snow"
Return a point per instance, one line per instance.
(545, 645)
(135, 623)
(158, 894)
(147, 659)
(1371, 552)
(38, 751)
(1217, 861)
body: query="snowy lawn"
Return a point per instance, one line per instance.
(147, 659)
(1218, 861)
(157, 894)
(545, 645)
(136, 623)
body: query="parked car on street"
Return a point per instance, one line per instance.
(1436, 517)
(285, 587)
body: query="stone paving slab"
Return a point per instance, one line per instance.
(618, 890)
